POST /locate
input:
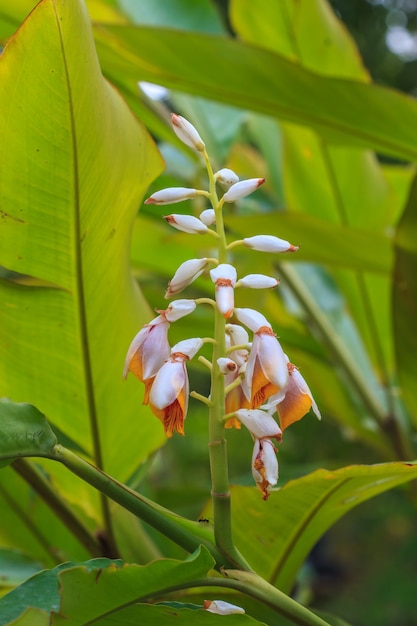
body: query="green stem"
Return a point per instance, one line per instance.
(247, 583)
(185, 533)
(36, 479)
(389, 427)
(220, 492)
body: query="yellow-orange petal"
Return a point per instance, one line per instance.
(293, 407)
(262, 388)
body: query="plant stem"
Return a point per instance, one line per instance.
(36, 479)
(220, 492)
(185, 533)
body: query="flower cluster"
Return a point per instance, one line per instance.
(258, 378)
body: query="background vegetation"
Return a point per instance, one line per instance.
(278, 90)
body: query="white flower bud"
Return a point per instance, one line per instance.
(259, 423)
(222, 608)
(178, 309)
(208, 217)
(185, 275)
(171, 195)
(226, 177)
(257, 281)
(224, 271)
(189, 347)
(187, 132)
(186, 223)
(264, 466)
(242, 189)
(224, 276)
(252, 319)
(269, 243)
(226, 365)
(237, 334)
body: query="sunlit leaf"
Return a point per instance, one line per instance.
(277, 536)
(74, 167)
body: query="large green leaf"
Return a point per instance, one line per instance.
(245, 75)
(277, 536)
(74, 164)
(24, 431)
(405, 302)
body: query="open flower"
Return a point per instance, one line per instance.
(266, 371)
(294, 401)
(168, 397)
(264, 466)
(148, 350)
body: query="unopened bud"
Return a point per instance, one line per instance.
(259, 423)
(187, 133)
(257, 281)
(269, 243)
(208, 217)
(252, 319)
(185, 275)
(243, 188)
(189, 347)
(171, 195)
(226, 365)
(186, 223)
(224, 276)
(178, 309)
(226, 177)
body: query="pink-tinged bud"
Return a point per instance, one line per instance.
(259, 423)
(178, 309)
(208, 217)
(224, 276)
(148, 350)
(187, 347)
(185, 275)
(221, 608)
(264, 466)
(257, 281)
(269, 243)
(226, 177)
(252, 319)
(171, 195)
(242, 189)
(187, 132)
(226, 366)
(186, 223)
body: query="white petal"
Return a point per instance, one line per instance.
(187, 132)
(224, 271)
(222, 608)
(168, 383)
(208, 217)
(189, 347)
(225, 300)
(186, 223)
(257, 281)
(242, 189)
(179, 308)
(270, 462)
(259, 423)
(269, 243)
(252, 319)
(226, 177)
(238, 335)
(171, 195)
(153, 334)
(272, 359)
